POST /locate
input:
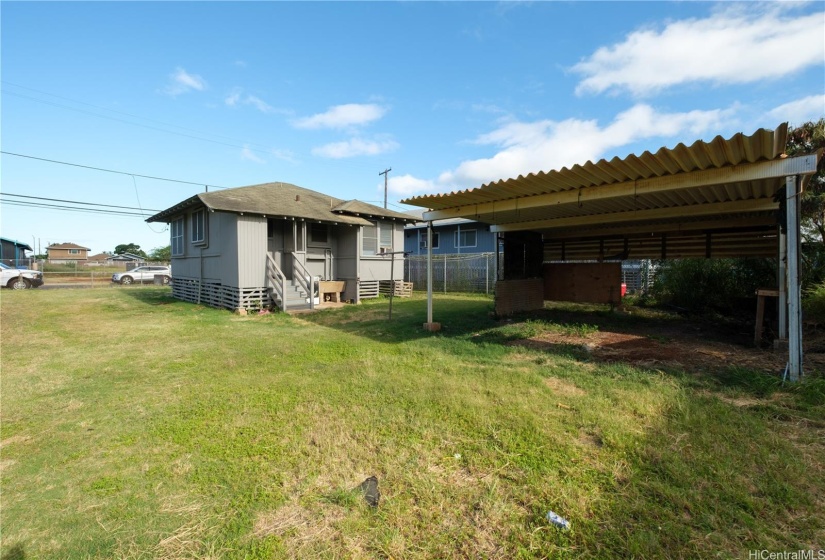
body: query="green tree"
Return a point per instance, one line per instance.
(161, 254)
(807, 138)
(132, 248)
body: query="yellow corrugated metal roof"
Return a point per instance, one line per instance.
(719, 152)
(714, 198)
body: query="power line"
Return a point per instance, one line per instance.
(264, 149)
(76, 202)
(138, 124)
(72, 208)
(111, 170)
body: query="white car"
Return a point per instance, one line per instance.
(143, 274)
(20, 278)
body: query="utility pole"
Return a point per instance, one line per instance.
(384, 173)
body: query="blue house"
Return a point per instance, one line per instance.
(13, 253)
(450, 237)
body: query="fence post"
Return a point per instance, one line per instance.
(487, 275)
(445, 273)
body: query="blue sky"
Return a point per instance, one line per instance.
(327, 95)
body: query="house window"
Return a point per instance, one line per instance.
(177, 237)
(465, 238)
(74, 251)
(385, 240)
(369, 239)
(319, 233)
(199, 226)
(376, 239)
(424, 240)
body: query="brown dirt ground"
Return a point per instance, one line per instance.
(684, 344)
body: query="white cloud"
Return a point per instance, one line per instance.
(796, 112)
(530, 147)
(259, 104)
(355, 147)
(249, 155)
(342, 116)
(741, 44)
(181, 81)
(285, 155)
(545, 145)
(236, 98)
(407, 185)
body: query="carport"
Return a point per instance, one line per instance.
(724, 198)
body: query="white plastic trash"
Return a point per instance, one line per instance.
(557, 520)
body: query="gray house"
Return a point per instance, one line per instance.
(280, 244)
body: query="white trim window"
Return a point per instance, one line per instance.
(466, 239)
(74, 251)
(199, 227)
(176, 228)
(369, 239)
(424, 239)
(376, 238)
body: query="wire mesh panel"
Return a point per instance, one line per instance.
(453, 273)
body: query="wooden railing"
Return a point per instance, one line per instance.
(276, 280)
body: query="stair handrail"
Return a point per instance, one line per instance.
(305, 280)
(277, 279)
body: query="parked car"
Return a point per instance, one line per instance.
(143, 274)
(20, 278)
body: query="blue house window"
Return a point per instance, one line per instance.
(466, 238)
(424, 239)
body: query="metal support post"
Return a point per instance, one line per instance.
(783, 288)
(794, 292)
(429, 273)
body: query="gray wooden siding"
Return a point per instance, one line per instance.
(251, 252)
(220, 236)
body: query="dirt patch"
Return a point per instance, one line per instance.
(13, 439)
(684, 345)
(563, 388)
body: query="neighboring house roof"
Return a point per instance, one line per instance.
(282, 200)
(100, 257)
(127, 257)
(441, 223)
(16, 243)
(66, 246)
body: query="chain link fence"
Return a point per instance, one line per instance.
(453, 273)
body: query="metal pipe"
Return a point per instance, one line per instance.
(794, 294)
(429, 272)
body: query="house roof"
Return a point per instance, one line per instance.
(16, 243)
(66, 246)
(126, 257)
(100, 257)
(716, 198)
(282, 200)
(441, 223)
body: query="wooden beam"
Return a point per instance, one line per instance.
(800, 165)
(735, 207)
(670, 227)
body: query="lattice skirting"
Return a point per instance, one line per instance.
(217, 295)
(402, 289)
(367, 289)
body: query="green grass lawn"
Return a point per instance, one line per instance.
(137, 426)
